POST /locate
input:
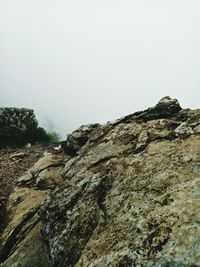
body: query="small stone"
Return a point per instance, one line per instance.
(183, 130)
(28, 145)
(167, 100)
(197, 129)
(18, 155)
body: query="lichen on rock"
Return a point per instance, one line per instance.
(127, 196)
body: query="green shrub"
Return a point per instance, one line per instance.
(44, 136)
(52, 137)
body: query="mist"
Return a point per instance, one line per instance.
(78, 62)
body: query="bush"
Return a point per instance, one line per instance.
(47, 137)
(52, 137)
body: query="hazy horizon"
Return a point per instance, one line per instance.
(78, 62)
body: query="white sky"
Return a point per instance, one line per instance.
(79, 61)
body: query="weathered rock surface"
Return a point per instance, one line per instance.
(20, 243)
(128, 196)
(78, 138)
(18, 126)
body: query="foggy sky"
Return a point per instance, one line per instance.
(82, 61)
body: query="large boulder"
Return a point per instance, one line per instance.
(18, 126)
(132, 194)
(128, 196)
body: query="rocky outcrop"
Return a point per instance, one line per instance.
(128, 196)
(78, 138)
(20, 243)
(18, 126)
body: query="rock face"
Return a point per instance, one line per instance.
(20, 243)
(18, 126)
(129, 196)
(78, 138)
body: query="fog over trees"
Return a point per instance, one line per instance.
(76, 62)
